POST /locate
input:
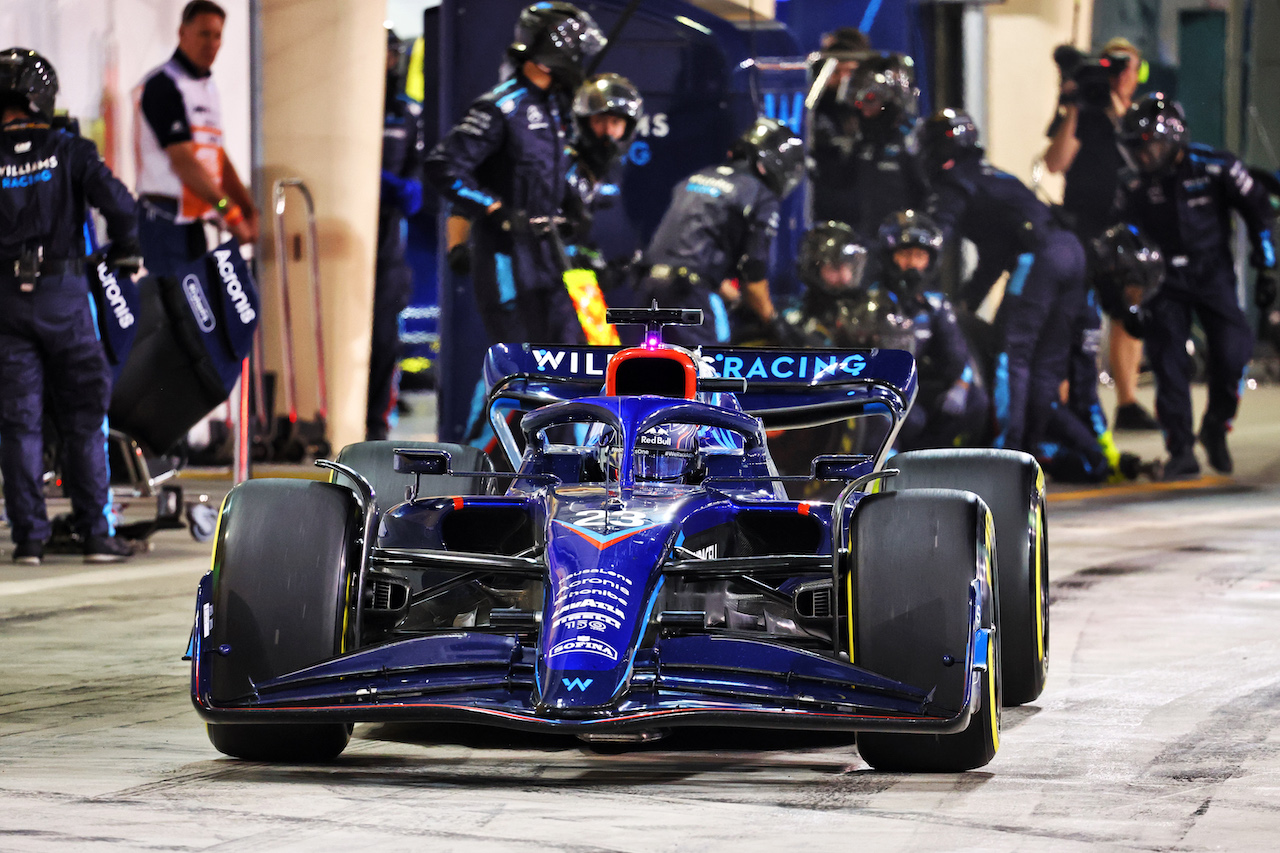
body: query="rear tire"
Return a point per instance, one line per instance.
(375, 461)
(285, 553)
(1012, 485)
(911, 598)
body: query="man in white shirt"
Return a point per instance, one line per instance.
(184, 176)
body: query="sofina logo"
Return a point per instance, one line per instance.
(199, 305)
(573, 684)
(586, 644)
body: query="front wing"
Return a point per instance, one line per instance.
(488, 677)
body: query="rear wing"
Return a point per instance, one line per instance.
(785, 389)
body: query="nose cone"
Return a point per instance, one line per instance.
(565, 690)
(602, 577)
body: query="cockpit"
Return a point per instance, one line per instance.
(640, 440)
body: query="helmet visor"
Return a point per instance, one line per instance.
(576, 39)
(667, 453)
(1155, 155)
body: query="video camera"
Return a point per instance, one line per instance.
(1092, 74)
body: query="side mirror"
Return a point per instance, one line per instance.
(839, 466)
(430, 462)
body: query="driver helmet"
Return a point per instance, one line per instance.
(560, 37)
(667, 453)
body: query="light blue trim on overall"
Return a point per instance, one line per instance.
(721, 316)
(1000, 394)
(510, 96)
(1097, 419)
(1268, 248)
(1018, 279)
(506, 278)
(108, 507)
(472, 195)
(477, 412)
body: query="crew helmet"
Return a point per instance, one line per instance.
(606, 94)
(908, 229)
(560, 37)
(1127, 268)
(27, 80)
(885, 81)
(948, 135)
(776, 151)
(1154, 129)
(831, 259)
(874, 320)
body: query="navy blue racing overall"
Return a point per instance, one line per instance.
(951, 404)
(1015, 232)
(511, 147)
(1186, 211)
(400, 196)
(720, 225)
(48, 337)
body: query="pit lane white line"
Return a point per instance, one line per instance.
(100, 577)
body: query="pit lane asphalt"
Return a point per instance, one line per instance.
(1159, 728)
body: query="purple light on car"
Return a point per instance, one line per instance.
(652, 340)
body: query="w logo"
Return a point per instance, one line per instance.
(576, 683)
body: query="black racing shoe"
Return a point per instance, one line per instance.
(106, 549)
(29, 553)
(1131, 416)
(1182, 466)
(1213, 436)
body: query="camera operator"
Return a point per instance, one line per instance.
(1083, 144)
(48, 337)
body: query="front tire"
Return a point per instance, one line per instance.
(911, 619)
(286, 551)
(1012, 485)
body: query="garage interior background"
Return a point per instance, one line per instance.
(316, 90)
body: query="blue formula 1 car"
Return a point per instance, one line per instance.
(639, 568)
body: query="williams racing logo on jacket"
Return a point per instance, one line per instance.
(20, 175)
